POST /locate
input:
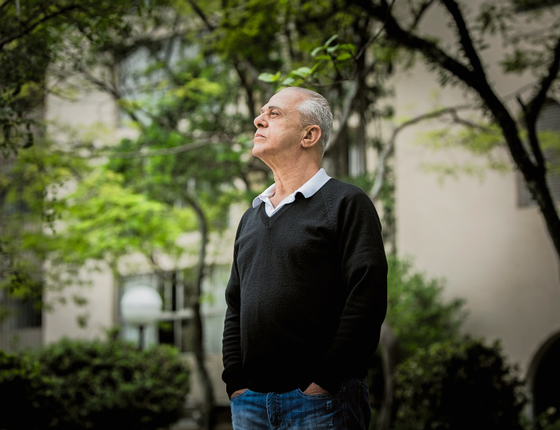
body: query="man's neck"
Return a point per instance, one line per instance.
(289, 179)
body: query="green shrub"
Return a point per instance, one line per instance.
(24, 393)
(458, 385)
(78, 384)
(110, 384)
(418, 313)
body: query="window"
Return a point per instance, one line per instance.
(175, 326)
(19, 314)
(20, 323)
(527, 5)
(20, 320)
(549, 120)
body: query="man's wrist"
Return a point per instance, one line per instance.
(238, 392)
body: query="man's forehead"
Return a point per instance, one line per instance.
(284, 99)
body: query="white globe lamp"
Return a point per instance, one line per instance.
(141, 306)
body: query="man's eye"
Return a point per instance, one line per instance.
(273, 113)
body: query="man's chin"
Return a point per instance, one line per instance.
(257, 151)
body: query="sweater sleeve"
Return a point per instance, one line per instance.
(231, 344)
(364, 274)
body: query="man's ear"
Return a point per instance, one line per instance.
(311, 136)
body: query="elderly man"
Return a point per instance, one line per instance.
(308, 287)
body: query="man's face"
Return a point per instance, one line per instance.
(278, 126)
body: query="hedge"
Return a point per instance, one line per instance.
(77, 384)
(459, 385)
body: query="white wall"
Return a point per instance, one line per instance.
(496, 255)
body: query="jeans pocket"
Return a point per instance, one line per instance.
(315, 396)
(239, 395)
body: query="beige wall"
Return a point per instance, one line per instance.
(82, 108)
(471, 231)
(62, 320)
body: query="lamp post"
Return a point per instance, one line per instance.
(141, 305)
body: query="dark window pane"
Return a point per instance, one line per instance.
(527, 5)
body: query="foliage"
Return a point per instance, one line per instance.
(105, 221)
(192, 147)
(24, 392)
(93, 384)
(197, 66)
(458, 385)
(29, 189)
(33, 35)
(418, 314)
(191, 151)
(97, 220)
(486, 142)
(111, 384)
(326, 58)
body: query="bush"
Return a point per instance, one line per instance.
(24, 393)
(418, 313)
(458, 385)
(76, 384)
(110, 384)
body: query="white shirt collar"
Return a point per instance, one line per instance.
(308, 189)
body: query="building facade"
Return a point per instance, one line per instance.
(480, 231)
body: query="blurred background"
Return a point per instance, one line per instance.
(125, 164)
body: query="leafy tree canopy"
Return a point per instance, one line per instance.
(34, 35)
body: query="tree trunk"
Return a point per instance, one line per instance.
(198, 344)
(390, 353)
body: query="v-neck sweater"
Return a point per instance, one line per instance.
(307, 293)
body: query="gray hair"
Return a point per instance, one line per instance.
(315, 110)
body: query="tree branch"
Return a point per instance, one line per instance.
(32, 26)
(374, 36)
(165, 151)
(435, 55)
(535, 105)
(389, 147)
(381, 11)
(6, 3)
(533, 174)
(335, 139)
(533, 139)
(202, 15)
(247, 87)
(420, 13)
(465, 37)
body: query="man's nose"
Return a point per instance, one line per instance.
(259, 121)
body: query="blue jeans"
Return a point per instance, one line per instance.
(349, 409)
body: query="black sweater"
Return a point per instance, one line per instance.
(307, 293)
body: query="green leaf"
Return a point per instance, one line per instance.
(301, 72)
(332, 49)
(344, 56)
(288, 81)
(347, 47)
(332, 39)
(317, 50)
(269, 77)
